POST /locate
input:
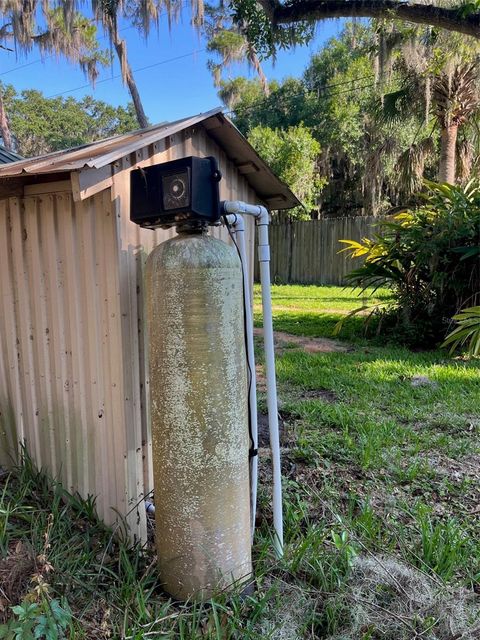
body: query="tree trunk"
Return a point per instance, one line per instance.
(121, 49)
(255, 62)
(4, 126)
(428, 14)
(448, 145)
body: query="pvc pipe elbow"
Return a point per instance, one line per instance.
(236, 221)
(256, 210)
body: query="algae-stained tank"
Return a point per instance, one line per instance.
(199, 413)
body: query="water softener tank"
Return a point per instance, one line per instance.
(199, 414)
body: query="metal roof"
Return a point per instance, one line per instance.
(104, 152)
(7, 156)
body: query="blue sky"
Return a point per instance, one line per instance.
(180, 86)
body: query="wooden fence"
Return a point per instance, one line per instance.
(307, 251)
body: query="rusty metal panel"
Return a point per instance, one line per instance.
(61, 365)
(11, 420)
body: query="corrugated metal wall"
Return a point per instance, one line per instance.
(73, 381)
(60, 336)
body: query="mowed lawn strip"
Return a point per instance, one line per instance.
(310, 310)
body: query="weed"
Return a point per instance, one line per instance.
(48, 619)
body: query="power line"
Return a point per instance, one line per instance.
(29, 64)
(305, 94)
(119, 75)
(52, 55)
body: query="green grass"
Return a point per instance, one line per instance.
(376, 470)
(309, 310)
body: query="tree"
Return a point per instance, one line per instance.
(40, 125)
(379, 99)
(142, 14)
(337, 100)
(456, 97)
(227, 40)
(292, 154)
(107, 12)
(67, 34)
(438, 73)
(271, 23)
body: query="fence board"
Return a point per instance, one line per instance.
(307, 251)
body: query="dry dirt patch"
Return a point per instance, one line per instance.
(16, 571)
(385, 598)
(309, 345)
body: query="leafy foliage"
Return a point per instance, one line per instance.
(53, 31)
(338, 99)
(40, 125)
(265, 37)
(429, 258)
(292, 154)
(467, 331)
(45, 620)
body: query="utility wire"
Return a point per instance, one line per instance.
(52, 55)
(233, 111)
(119, 75)
(280, 99)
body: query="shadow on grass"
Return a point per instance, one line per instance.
(353, 298)
(320, 325)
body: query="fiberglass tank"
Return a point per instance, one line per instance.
(199, 413)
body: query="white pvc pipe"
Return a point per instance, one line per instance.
(262, 219)
(238, 225)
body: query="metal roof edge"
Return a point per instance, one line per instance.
(97, 155)
(170, 127)
(41, 164)
(264, 166)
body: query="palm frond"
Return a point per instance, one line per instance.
(410, 165)
(396, 105)
(466, 333)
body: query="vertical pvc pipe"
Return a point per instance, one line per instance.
(262, 219)
(272, 404)
(238, 225)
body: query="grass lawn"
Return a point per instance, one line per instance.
(309, 310)
(381, 458)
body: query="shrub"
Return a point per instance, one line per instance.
(429, 257)
(467, 331)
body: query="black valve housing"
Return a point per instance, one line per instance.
(172, 193)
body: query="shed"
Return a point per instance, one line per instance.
(73, 375)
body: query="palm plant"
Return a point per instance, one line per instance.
(429, 258)
(440, 77)
(456, 97)
(467, 331)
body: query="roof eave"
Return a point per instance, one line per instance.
(268, 187)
